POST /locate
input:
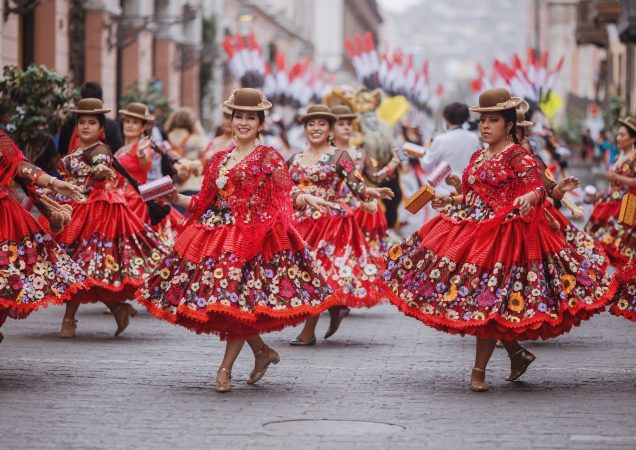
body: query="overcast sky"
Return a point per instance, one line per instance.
(397, 5)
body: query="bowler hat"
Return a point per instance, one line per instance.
(496, 99)
(247, 99)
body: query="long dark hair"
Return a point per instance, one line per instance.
(510, 116)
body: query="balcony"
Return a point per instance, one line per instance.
(587, 31)
(603, 12)
(627, 21)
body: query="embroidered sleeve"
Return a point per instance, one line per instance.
(347, 171)
(527, 173)
(29, 173)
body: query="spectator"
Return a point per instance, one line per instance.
(112, 130)
(606, 150)
(455, 146)
(587, 145)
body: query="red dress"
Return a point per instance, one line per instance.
(108, 241)
(619, 242)
(624, 300)
(128, 157)
(239, 267)
(480, 268)
(34, 270)
(335, 238)
(373, 225)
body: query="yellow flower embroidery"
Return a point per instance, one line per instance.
(516, 302)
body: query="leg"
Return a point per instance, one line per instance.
(68, 322)
(308, 335)
(224, 374)
(121, 313)
(520, 359)
(483, 352)
(336, 314)
(263, 357)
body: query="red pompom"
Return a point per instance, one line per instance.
(102, 137)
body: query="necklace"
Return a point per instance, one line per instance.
(222, 177)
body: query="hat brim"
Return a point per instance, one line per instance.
(627, 124)
(346, 116)
(510, 104)
(314, 115)
(89, 112)
(524, 124)
(125, 112)
(262, 106)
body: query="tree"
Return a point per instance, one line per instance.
(34, 103)
(152, 97)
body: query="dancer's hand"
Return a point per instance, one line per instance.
(314, 202)
(369, 207)
(524, 202)
(379, 193)
(566, 185)
(454, 180)
(103, 172)
(441, 201)
(67, 189)
(612, 176)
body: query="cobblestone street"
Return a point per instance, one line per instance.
(383, 381)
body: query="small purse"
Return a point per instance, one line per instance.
(418, 200)
(627, 216)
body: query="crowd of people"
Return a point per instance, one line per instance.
(254, 234)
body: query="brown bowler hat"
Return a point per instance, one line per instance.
(629, 122)
(523, 106)
(318, 110)
(521, 120)
(138, 111)
(496, 99)
(343, 112)
(247, 99)
(90, 106)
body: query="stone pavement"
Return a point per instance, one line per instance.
(383, 381)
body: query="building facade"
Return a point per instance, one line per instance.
(114, 42)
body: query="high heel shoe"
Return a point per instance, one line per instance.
(223, 386)
(336, 318)
(122, 317)
(68, 328)
(272, 358)
(526, 357)
(479, 386)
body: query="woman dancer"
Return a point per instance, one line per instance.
(239, 268)
(104, 237)
(490, 265)
(34, 270)
(223, 140)
(335, 238)
(581, 241)
(369, 215)
(136, 157)
(618, 242)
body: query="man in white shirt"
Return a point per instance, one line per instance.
(455, 146)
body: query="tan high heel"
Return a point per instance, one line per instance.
(272, 358)
(68, 328)
(479, 386)
(526, 357)
(122, 317)
(223, 386)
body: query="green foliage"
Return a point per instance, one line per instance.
(615, 106)
(35, 101)
(152, 96)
